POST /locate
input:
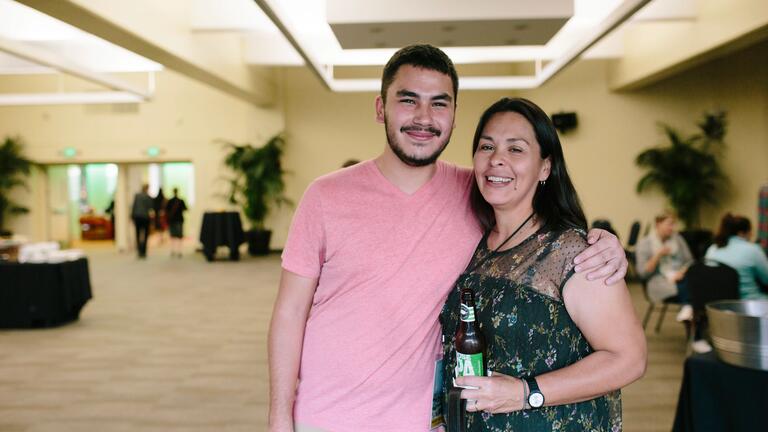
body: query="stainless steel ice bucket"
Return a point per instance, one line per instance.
(739, 330)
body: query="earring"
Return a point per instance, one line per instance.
(542, 182)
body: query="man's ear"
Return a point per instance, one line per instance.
(379, 109)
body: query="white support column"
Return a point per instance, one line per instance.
(122, 210)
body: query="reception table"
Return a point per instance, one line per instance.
(42, 294)
(221, 229)
(718, 397)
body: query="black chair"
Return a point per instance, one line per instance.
(698, 242)
(634, 234)
(604, 224)
(664, 305)
(709, 281)
(629, 250)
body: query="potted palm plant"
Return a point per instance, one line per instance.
(687, 170)
(14, 168)
(257, 186)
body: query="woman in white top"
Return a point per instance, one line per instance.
(663, 259)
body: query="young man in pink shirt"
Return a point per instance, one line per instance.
(372, 252)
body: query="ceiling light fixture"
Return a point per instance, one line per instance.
(321, 51)
(86, 98)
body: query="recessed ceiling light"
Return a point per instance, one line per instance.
(581, 31)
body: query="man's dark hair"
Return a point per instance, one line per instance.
(421, 56)
(556, 201)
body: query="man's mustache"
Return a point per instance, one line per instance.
(433, 131)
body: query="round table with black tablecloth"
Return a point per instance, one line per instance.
(718, 397)
(42, 294)
(221, 229)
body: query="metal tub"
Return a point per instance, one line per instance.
(739, 330)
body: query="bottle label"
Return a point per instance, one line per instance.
(469, 364)
(467, 313)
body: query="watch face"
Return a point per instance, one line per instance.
(536, 400)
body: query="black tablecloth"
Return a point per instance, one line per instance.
(719, 397)
(221, 229)
(42, 295)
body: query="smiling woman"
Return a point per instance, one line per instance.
(508, 162)
(559, 345)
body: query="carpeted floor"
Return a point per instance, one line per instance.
(180, 345)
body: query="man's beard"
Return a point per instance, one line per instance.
(407, 159)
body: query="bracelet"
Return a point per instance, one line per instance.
(525, 394)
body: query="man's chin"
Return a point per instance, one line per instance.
(417, 157)
(417, 160)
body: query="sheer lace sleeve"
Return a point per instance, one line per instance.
(541, 263)
(570, 243)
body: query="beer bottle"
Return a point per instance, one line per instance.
(470, 344)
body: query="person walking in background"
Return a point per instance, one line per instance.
(349, 162)
(140, 213)
(161, 223)
(663, 258)
(110, 210)
(733, 248)
(174, 213)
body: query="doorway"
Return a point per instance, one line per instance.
(89, 204)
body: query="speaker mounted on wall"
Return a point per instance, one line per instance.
(565, 121)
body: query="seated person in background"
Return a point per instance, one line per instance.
(349, 163)
(663, 258)
(733, 248)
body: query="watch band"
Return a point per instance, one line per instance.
(535, 396)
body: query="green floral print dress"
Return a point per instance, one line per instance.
(520, 310)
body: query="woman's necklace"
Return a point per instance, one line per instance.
(513, 233)
(485, 258)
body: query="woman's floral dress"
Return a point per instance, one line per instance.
(520, 310)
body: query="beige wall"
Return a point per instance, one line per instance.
(325, 129)
(183, 120)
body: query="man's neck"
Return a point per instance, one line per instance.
(405, 177)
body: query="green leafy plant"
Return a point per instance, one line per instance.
(258, 182)
(687, 170)
(14, 168)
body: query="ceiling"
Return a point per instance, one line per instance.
(447, 23)
(330, 36)
(486, 33)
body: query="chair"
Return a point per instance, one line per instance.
(698, 242)
(629, 250)
(664, 304)
(634, 234)
(707, 282)
(604, 224)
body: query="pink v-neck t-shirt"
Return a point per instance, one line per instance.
(385, 262)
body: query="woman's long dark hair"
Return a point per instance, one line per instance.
(731, 225)
(555, 202)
